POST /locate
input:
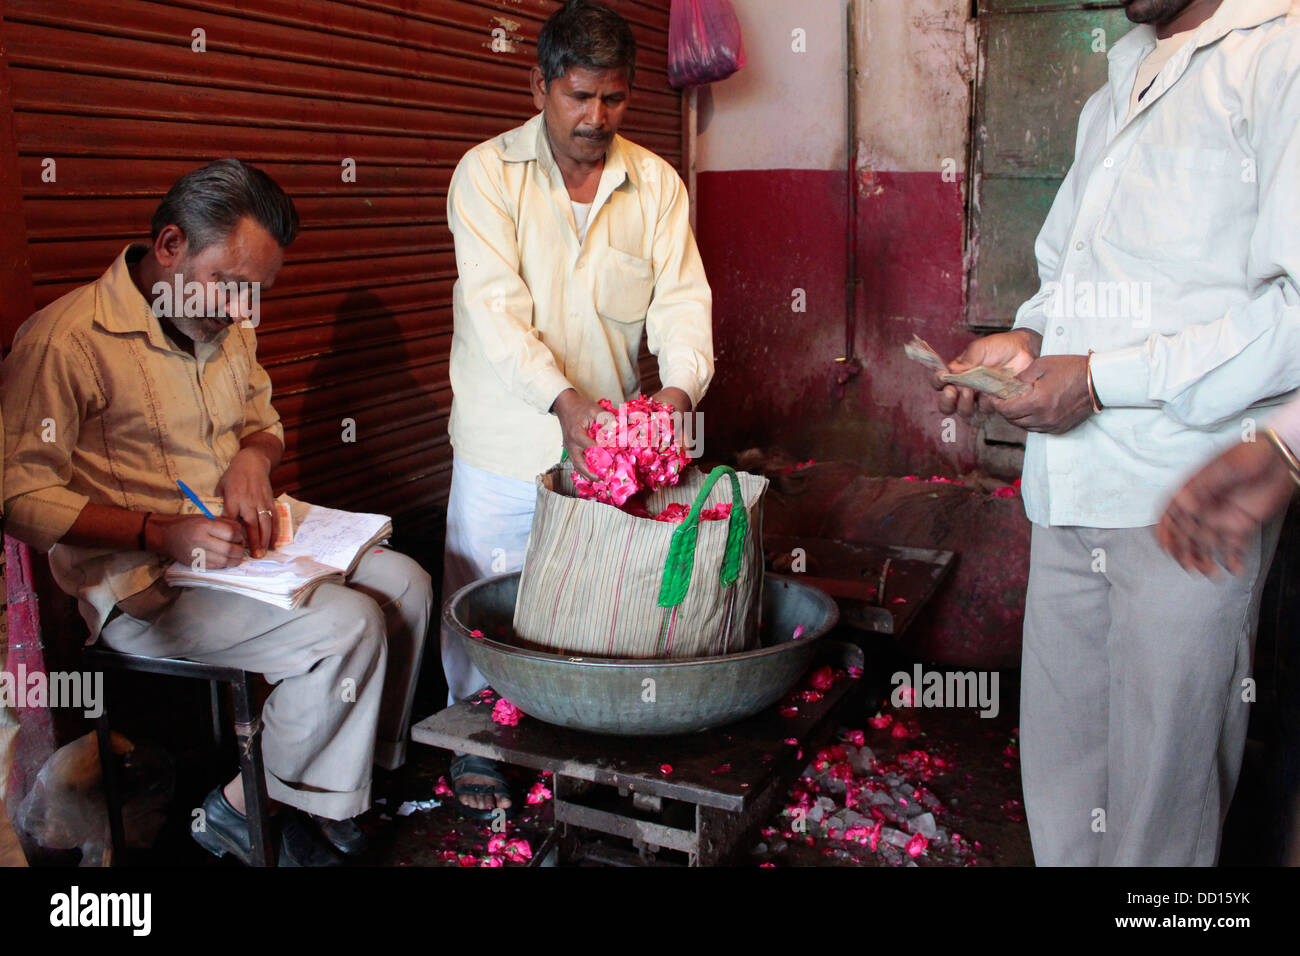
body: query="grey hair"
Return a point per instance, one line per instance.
(209, 202)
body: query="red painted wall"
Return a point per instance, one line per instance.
(764, 233)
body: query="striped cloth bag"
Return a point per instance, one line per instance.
(600, 582)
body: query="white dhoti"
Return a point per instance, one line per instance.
(488, 520)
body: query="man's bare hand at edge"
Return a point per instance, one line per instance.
(1217, 515)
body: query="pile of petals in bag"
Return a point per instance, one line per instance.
(634, 455)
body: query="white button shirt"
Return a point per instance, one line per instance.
(1173, 251)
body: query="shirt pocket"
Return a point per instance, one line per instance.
(1170, 201)
(624, 284)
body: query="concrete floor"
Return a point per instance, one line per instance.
(977, 792)
(970, 767)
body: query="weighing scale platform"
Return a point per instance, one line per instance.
(699, 794)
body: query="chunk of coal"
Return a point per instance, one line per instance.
(894, 837)
(924, 824)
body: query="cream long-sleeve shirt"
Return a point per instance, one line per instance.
(537, 311)
(100, 406)
(1173, 251)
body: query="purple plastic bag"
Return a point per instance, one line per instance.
(704, 43)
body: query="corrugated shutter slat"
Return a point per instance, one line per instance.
(358, 325)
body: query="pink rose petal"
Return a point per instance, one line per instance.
(518, 850)
(538, 794)
(506, 713)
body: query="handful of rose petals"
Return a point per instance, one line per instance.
(635, 451)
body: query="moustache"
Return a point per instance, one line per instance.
(595, 136)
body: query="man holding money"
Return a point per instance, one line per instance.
(1183, 195)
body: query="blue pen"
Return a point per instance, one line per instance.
(195, 498)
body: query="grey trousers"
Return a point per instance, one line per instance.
(344, 667)
(1133, 721)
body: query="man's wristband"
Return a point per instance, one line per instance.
(1288, 456)
(1092, 389)
(141, 541)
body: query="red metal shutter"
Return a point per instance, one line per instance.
(358, 327)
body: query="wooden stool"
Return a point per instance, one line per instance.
(248, 733)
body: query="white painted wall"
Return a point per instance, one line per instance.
(785, 110)
(915, 65)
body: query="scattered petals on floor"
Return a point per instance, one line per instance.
(506, 713)
(859, 805)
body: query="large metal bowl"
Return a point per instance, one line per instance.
(633, 697)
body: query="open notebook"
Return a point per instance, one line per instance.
(326, 546)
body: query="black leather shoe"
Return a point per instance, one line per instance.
(224, 829)
(302, 845)
(346, 836)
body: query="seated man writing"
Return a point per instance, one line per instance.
(114, 394)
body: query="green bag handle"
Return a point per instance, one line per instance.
(681, 550)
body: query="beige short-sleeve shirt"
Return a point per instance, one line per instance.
(100, 406)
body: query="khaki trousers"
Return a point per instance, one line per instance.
(1133, 722)
(344, 667)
